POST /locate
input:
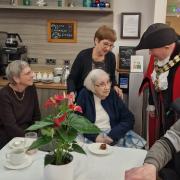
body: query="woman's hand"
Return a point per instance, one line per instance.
(72, 99)
(103, 139)
(118, 91)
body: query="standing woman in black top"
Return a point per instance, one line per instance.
(19, 106)
(100, 56)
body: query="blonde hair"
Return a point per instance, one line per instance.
(93, 77)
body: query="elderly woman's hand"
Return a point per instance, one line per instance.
(72, 99)
(118, 91)
(103, 139)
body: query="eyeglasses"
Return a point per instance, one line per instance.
(103, 84)
(106, 45)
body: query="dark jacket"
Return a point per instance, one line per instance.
(83, 65)
(121, 119)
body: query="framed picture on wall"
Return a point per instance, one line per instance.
(137, 63)
(125, 53)
(130, 25)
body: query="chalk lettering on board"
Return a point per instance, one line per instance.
(62, 31)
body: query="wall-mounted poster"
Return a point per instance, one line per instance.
(125, 53)
(136, 63)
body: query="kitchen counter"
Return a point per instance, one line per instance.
(40, 85)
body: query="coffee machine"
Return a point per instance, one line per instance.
(11, 49)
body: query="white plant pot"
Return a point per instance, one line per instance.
(59, 172)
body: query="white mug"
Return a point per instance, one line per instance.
(45, 76)
(16, 156)
(50, 76)
(39, 76)
(56, 79)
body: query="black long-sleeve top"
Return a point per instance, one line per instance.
(16, 115)
(83, 65)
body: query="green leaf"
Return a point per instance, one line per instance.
(40, 142)
(83, 125)
(47, 132)
(78, 149)
(39, 125)
(68, 136)
(48, 118)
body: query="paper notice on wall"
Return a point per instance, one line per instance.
(136, 64)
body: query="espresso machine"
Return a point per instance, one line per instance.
(11, 49)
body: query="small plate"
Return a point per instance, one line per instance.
(27, 163)
(95, 148)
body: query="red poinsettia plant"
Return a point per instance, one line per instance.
(60, 129)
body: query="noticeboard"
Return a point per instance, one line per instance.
(62, 31)
(125, 53)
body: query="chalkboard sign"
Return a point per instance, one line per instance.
(125, 53)
(62, 31)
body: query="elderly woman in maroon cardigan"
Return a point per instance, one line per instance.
(19, 106)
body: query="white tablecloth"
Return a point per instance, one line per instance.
(86, 167)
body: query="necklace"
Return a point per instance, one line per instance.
(19, 98)
(166, 67)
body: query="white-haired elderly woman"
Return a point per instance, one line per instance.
(19, 106)
(102, 106)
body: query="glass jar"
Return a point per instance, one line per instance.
(59, 3)
(26, 2)
(87, 3)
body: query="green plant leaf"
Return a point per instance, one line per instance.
(68, 136)
(47, 132)
(83, 125)
(40, 142)
(48, 118)
(39, 125)
(77, 148)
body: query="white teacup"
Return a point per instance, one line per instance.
(56, 79)
(16, 156)
(39, 76)
(50, 76)
(45, 76)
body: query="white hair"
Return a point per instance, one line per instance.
(93, 77)
(14, 69)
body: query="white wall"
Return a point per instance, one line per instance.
(145, 7)
(160, 11)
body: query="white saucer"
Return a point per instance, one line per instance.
(95, 149)
(27, 163)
